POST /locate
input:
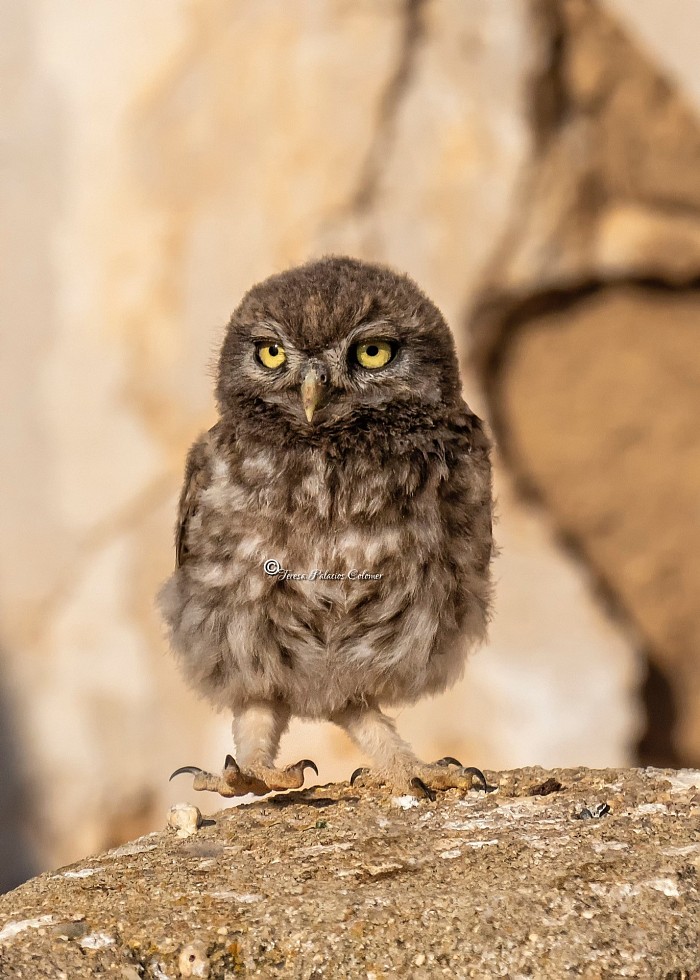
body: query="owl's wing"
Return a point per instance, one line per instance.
(466, 502)
(197, 476)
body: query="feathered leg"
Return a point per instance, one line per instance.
(396, 765)
(257, 730)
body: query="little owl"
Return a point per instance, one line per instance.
(334, 530)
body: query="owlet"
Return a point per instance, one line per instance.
(334, 530)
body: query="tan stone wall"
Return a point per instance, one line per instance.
(586, 338)
(159, 158)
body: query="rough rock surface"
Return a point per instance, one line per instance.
(592, 873)
(586, 340)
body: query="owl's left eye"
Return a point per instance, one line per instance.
(271, 355)
(373, 354)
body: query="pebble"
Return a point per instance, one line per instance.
(185, 819)
(405, 802)
(193, 960)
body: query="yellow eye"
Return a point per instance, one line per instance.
(271, 355)
(374, 353)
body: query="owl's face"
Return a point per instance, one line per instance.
(334, 340)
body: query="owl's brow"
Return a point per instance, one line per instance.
(270, 330)
(373, 328)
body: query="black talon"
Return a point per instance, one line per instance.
(192, 770)
(305, 764)
(425, 790)
(473, 771)
(449, 760)
(358, 772)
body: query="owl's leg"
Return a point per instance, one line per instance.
(257, 730)
(396, 766)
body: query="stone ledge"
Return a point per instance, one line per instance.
(330, 883)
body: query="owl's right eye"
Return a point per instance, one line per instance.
(270, 355)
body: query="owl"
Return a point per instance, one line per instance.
(333, 540)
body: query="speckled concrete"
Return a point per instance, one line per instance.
(331, 883)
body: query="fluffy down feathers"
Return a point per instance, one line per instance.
(382, 504)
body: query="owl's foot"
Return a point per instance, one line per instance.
(422, 780)
(259, 780)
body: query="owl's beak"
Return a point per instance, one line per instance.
(312, 388)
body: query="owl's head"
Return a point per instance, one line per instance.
(333, 342)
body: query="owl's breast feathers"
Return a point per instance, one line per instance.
(386, 546)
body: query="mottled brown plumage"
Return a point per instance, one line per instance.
(327, 459)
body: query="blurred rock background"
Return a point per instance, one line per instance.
(535, 165)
